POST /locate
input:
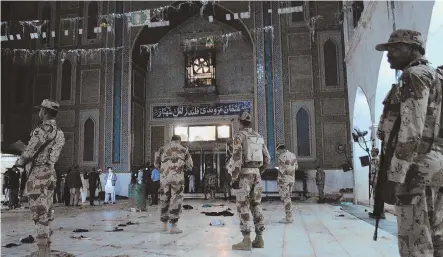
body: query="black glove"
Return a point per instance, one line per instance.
(235, 185)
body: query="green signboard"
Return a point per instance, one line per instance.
(140, 18)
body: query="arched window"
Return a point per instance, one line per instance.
(66, 80)
(330, 59)
(303, 142)
(88, 140)
(92, 19)
(46, 16)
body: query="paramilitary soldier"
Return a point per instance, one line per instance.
(171, 160)
(249, 159)
(409, 127)
(320, 178)
(43, 151)
(287, 165)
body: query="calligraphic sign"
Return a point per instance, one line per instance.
(219, 109)
(140, 18)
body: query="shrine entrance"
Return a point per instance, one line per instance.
(206, 162)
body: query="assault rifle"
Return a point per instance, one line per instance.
(383, 194)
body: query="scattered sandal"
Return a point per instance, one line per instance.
(81, 237)
(116, 229)
(79, 230)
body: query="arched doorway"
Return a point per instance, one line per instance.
(362, 121)
(162, 67)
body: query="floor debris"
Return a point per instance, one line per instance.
(27, 240)
(217, 223)
(225, 213)
(80, 230)
(116, 229)
(11, 245)
(81, 237)
(187, 207)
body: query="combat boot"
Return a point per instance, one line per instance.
(44, 248)
(245, 244)
(258, 241)
(287, 220)
(165, 226)
(175, 229)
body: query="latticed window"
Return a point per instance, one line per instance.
(299, 13)
(303, 141)
(88, 140)
(200, 69)
(92, 19)
(357, 9)
(46, 28)
(66, 80)
(331, 63)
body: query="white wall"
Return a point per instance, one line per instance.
(334, 181)
(368, 68)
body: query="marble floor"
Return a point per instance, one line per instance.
(318, 231)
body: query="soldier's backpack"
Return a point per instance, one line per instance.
(253, 148)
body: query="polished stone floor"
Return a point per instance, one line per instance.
(318, 231)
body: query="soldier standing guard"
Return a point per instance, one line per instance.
(375, 166)
(250, 158)
(171, 160)
(409, 129)
(320, 178)
(287, 165)
(43, 150)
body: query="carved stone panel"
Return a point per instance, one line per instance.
(67, 155)
(300, 74)
(299, 41)
(90, 86)
(66, 118)
(42, 88)
(69, 26)
(67, 5)
(333, 107)
(333, 134)
(91, 57)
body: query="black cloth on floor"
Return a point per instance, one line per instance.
(221, 213)
(27, 240)
(11, 245)
(80, 230)
(187, 207)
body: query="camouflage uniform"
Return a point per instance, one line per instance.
(171, 160)
(248, 196)
(227, 177)
(287, 165)
(320, 177)
(210, 185)
(417, 163)
(375, 164)
(43, 150)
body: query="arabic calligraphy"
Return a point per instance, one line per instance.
(220, 109)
